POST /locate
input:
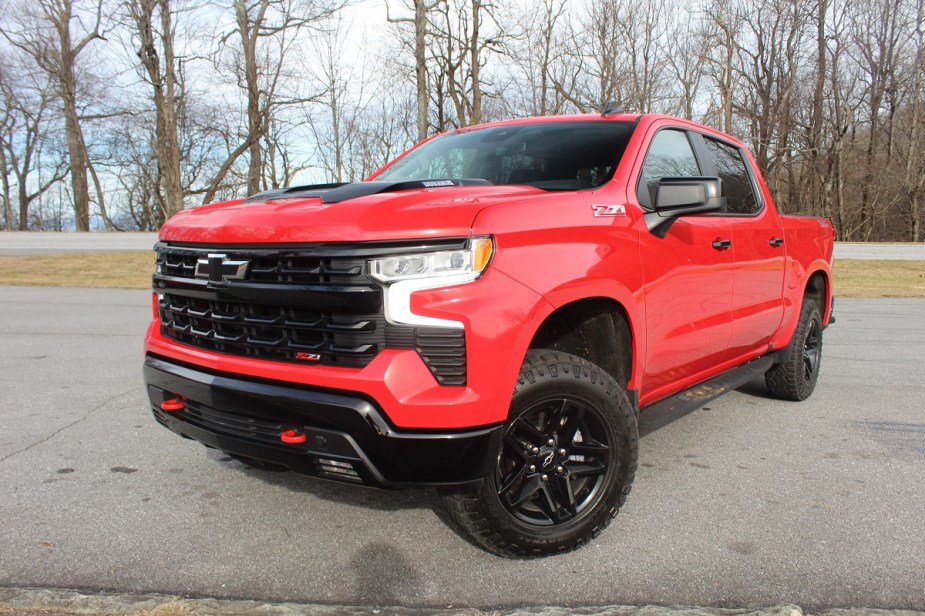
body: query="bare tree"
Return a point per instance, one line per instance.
(536, 51)
(420, 24)
(771, 54)
(339, 105)
(842, 112)
(7, 126)
(43, 30)
(23, 139)
(153, 30)
(686, 56)
(914, 176)
(880, 31)
(465, 34)
(724, 21)
(262, 39)
(605, 78)
(642, 32)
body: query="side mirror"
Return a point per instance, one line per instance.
(684, 196)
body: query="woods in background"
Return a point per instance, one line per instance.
(115, 114)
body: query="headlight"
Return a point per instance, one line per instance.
(406, 274)
(471, 261)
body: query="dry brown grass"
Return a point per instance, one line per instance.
(126, 270)
(861, 278)
(132, 270)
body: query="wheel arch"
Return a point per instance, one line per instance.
(818, 289)
(597, 329)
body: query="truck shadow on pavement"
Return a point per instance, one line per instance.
(363, 497)
(333, 491)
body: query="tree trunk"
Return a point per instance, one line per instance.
(76, 148)
(24, 202)
(5, 194)
(248, 30)
(67, 86)
(163, 79)
(420, 65)
(475, 114)
(726, 90)
(815, 130)
(77, 152)
(169, 154)
(915, 159)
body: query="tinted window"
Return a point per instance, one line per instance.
(737, 186)
(551, 156)
(670, 155)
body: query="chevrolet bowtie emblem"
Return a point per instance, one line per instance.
(218, 269)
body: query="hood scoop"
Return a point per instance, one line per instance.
(335, 193)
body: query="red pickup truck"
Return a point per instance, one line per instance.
(489, 314)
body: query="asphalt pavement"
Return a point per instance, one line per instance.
(872, 250)
(747, 502)
(17, 244)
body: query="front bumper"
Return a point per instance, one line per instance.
(347, 436)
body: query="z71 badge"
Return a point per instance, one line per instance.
(604, 210)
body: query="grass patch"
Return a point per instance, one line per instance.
(132, 270)
(894, 278)
(120, 270)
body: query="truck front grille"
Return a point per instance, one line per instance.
(311, 306)
(277, 332)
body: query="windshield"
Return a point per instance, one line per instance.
(551, 156)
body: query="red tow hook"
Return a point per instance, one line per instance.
(292, 437)
(173, 405)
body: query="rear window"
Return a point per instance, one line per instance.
(737, 186)
(551, 156)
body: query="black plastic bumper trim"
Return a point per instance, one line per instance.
(244, 416)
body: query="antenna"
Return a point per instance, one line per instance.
(611, 108)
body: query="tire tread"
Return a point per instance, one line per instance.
(785, 380)
(467, 508)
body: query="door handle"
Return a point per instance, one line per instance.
(722, 244)
(776, 241)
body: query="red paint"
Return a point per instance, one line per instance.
(173, 405)
(291, 437)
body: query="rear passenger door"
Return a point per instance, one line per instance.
(757, 248)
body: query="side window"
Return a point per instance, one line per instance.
(737, 185)
(670, 155)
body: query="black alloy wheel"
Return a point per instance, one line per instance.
(565, 466)
(811, 350)
(553, 462)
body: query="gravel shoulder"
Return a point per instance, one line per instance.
(32, 602)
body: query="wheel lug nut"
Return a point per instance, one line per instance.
(532, 468)
(545, 477)
(551, 442)
(562, 452)
(560, 469)
(534, 449)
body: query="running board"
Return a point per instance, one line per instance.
(663, 412)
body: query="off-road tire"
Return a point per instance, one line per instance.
(795, 379)
(562, 398)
